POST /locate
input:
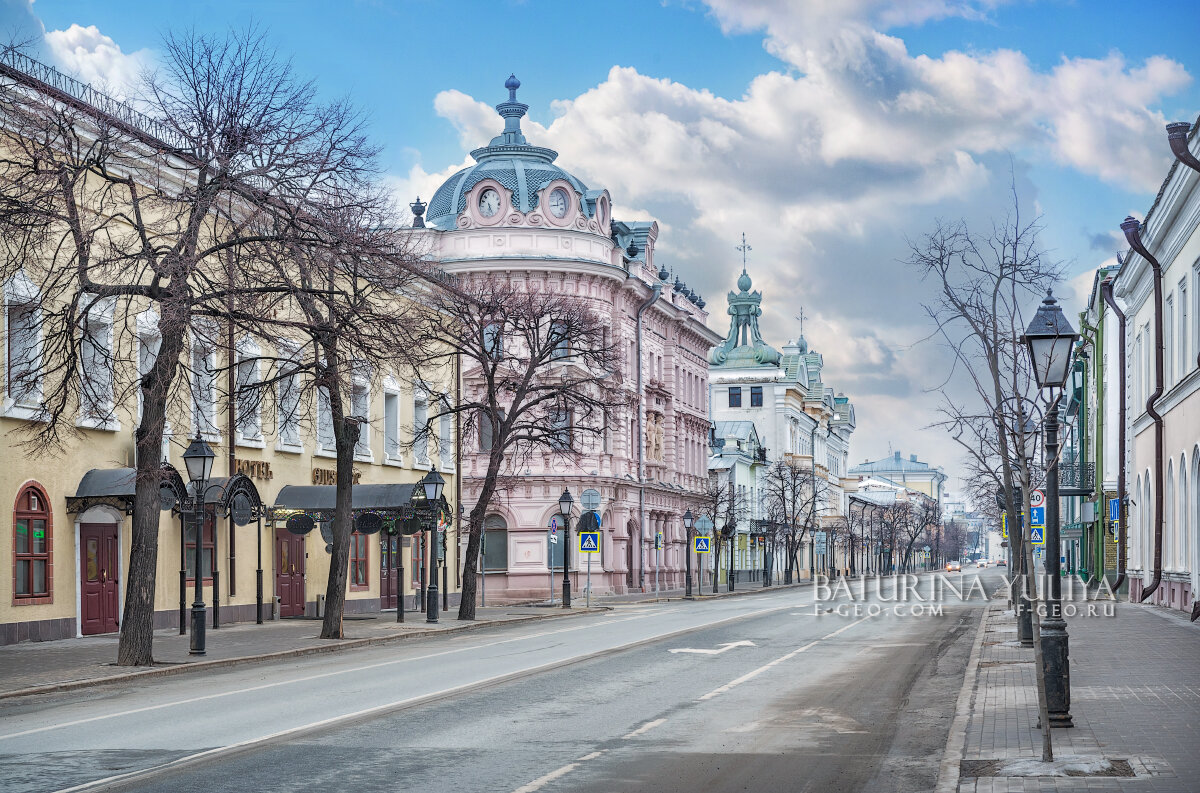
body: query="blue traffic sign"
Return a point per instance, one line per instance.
(1038, 538)
(1037, 517)
(1114, 509)
(701, 545)
(589, 542)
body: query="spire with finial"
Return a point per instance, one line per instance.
(512, 112)
(744, 283)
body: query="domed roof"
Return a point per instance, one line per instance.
(523, 169)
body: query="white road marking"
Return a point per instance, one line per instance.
(304, 679)
(645, 728)
(724, 647)
(755, 673)
(557, 773)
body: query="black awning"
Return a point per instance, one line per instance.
(115, 487)
(234, 493)
(393, 500)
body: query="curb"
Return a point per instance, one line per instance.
(948, 773)
(245, 660)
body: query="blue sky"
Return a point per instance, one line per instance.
(827, 132)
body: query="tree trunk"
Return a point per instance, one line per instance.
(345, 436)
(466, 605)
(136, 644)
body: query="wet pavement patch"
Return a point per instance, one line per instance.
(1063, 766)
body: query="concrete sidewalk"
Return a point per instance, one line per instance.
(43, 667)
(1135, 697)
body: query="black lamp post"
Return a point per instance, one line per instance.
(731, 532)
(432, 483)
(687, 535)
(565, 506)
(1050, 340)
(199, 462)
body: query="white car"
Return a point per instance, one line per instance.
(953, 566)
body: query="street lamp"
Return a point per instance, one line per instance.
(565, 505)
(432, 483)
(1050, 340)
(199, 462)
(687, 541)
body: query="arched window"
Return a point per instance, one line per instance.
(1133, 540)
(1170, 527)
(495, 543)
(32, 546)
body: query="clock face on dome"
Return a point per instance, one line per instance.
(489, 202)
(558, 202)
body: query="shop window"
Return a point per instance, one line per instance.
(358, 561)
(32, 544)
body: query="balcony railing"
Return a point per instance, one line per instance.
(1076, 479)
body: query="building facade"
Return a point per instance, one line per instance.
(1162, 309)
(67, 513)
(518, 214)
(796, 415)
(908, 472)
(738, 461)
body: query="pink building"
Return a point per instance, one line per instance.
(517, 212)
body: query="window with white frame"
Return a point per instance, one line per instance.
(420, 428)
(23, 351)
(360, 407)
(560, 429)
(204, 385)
(446, 439)
(324, 422)
(95, 362)
(391, 424)
(1169, 341)
(149, 343)
(1182, 364)
(249, 393)
(560, 340)
(493, 340)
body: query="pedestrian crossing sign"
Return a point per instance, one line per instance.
(701, 544)
(1036, 535)
(589, 542)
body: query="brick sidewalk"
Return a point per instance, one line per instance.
(1135, 696)
(71, 663)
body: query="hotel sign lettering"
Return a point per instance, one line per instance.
(255, 469)
(328, 476)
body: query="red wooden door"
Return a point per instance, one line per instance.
(289, 573)
(388, 579)
(98, 577)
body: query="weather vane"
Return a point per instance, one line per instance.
(744, 248)
(800, 317)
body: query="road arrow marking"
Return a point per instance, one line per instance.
(724, 647)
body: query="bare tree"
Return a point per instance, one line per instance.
(109, 214)
(539, 376)
(795, 496)
(726, 506)
(984, 282)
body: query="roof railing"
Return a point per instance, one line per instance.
(82, 92)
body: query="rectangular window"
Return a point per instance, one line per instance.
(24, 364)
(755, 396)
(148, 346)
(558, 338)
(735, 397)
(1169, 341)
(421, 429)
(33, 557)
(358, 561)
(324, 420)
(495, 549)
(96, 367)
(203, 387)
(493, 340)
(249, 422)
(446, 440)
(206, 549)
(557, 549)
(289, 410)
(360, 406)
(391, 427)
(560, 429)
(1184, 329)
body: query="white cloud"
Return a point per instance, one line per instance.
(832, 161)
(96, 59)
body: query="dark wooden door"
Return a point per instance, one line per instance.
(389, 554)
(289, 573)
(99, 584)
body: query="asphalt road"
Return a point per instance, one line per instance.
(764, 692)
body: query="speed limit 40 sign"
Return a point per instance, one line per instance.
(1037, 499)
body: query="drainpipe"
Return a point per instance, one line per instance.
(1095, 336)
(1177, 136)
(1106, 289)
(655, 294)
(1131, 227)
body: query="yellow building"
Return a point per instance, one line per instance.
(70, 511)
